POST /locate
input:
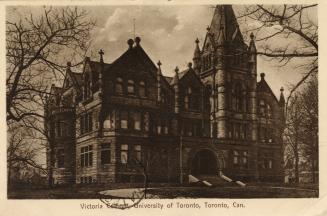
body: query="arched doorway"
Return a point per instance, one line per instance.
(204, 163)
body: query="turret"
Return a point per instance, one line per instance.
(175, 83)
(159, 74)
(101, 53)
(281, 103)
(252, 53)
(197, 57)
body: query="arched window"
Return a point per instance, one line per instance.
(186, 102)
(130, 87)
(142, 89)
(187, 98)
(262, 106)
(87, 86)
(269, 112)
(238, 97)
(119, 86)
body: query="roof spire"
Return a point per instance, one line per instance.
(252, 47)
(101, 53)
(224, 19)
(69, 64)
(197, 53)
(176, 78)
(281, 97)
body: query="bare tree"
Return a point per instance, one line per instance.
(36, 50)
(309, 135)
(301, 133)
(21, 151)
(292, 135)
(285, 33)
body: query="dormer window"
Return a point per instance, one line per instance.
(87, 87)
(119, 86)
(142, 89)
(130, 87)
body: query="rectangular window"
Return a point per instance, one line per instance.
(105, 153)
(165, 126)
(235, 157)
(124, 153)
(81, 123)
(58, 129)
(138, 153)
(137, 121)
(159, 126)
(146, 121)
(270, 164)
(124, 119)
(105, 156)
(86, 123)
(86, 156)
(60, 158)
(90, 122)
(242, 131)
(245, 159)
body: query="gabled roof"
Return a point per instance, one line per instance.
(262, 86)
(169, 79)
(96, 66)
(56, 90)
(132, 54)
(182, 74)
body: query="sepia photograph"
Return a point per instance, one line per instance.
(123, 103)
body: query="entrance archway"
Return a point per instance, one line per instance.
(204, 163)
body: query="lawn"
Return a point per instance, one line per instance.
(168, 191)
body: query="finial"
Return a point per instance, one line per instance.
(189, 64)
(130, 43)
(282, 89)
(262, 75)
(137, 40)
(176, 70)
(101, 52)
(159, 63)
(197, 40)
(208, 28)
(252, 36)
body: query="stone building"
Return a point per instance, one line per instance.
(115, 122)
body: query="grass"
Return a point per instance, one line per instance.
(169, 191)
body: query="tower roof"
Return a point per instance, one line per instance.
(197, 52)
(224, 22)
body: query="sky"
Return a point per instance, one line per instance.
(167, 34)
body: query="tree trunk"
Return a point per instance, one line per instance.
(313, 170)
(296, 155)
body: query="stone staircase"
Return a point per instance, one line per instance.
(217, 181)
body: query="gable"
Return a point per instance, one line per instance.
(134, 59)
(189, 76)
(263, 86)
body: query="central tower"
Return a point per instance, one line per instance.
(227, 66)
